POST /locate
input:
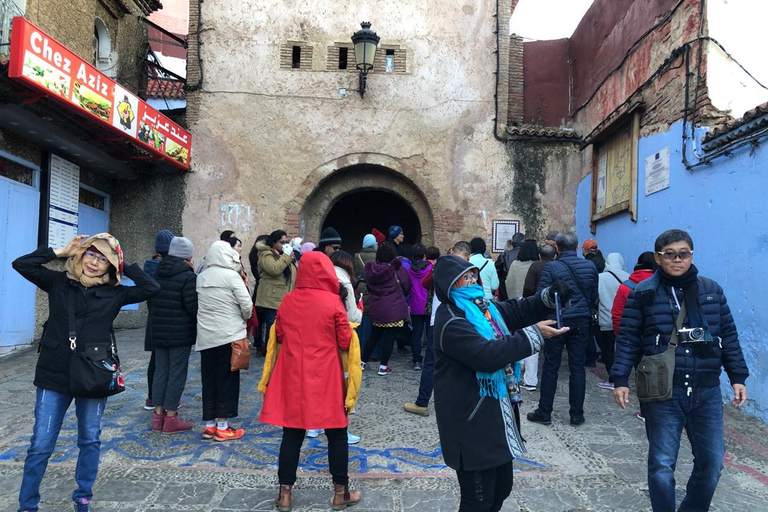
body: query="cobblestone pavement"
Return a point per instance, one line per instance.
(599, 466)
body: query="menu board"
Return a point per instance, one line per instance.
(64, 193)
(43, 63)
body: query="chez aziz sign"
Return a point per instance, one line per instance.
(41, 62)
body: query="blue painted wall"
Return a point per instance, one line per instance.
(725, 209)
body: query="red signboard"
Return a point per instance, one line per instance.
(40, 61)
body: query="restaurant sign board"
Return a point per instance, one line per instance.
(46, 65)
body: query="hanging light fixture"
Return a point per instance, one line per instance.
(366, 41)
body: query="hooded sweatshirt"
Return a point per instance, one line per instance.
(223, 300)
(473, 433)
(417, 300)
(353, 313)
(621, 296)
(609, 281)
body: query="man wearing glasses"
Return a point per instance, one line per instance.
(330, 242)
(707, 341)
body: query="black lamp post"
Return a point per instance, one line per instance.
(366, 41)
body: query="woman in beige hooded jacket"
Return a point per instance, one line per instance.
(224, 305)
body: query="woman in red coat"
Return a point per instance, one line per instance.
(306, 389)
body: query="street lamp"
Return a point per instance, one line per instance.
(365, 42)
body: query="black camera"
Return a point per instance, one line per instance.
(692, 335)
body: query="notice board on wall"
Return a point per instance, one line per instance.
(63, 195)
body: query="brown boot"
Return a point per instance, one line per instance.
(283, 500)
(343, 497)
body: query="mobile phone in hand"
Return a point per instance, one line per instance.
(558, 311)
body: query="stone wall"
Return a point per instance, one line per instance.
(266, 136)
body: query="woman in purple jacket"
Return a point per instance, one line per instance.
(417, 300)
(388, 284)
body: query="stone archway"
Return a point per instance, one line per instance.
(352, 177)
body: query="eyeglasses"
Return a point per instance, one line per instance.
(471, 277)
(336, 247)
(672, 255)
(285, 242)
(98, 257)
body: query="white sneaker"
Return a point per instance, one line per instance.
(352, 439)
(527, 387)
(363, 364)
(314, 433)
(605, 385)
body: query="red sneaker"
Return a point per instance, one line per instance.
(174, 425)
(209, 432)
(228, 434)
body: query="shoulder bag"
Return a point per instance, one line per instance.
(241, 355)
(655, 374)
(594, 321)
(94, 372)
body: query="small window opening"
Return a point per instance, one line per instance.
(343, 56)
(296, 59)
(92, 199)
(390, 64)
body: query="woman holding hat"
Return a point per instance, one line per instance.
(93, 272)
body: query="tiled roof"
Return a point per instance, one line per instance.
(542, 133)
(736, 128)
(165, 88)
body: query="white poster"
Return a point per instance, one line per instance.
(602, 171)
(126, 108)
(64, 190)
(502, 232)
(657, 169)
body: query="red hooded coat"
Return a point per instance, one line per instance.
(307, 386)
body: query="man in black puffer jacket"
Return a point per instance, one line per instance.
(696, 403)
(576, 316)
(174, 330)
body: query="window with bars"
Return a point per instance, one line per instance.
(92, 199)
(17, 172)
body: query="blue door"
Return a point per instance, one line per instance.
(91, 221)
(19, 215)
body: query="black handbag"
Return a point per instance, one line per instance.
(94, 371)
(594, 320)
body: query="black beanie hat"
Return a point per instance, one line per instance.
(329, 236)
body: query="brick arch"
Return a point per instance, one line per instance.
(356, 172)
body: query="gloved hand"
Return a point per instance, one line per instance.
(563, 289)
(287, 249)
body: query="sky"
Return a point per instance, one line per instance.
(547, 19)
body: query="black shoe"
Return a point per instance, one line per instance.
(538, 417)
(577, 421)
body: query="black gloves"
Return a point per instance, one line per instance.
(564, 291)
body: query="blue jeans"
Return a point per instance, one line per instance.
(420, 323)
(701, 415)
(269, 319)
(50, 407)
(427, 371)
(575, 342)
(364, 332)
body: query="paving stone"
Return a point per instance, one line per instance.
(728, 500)
(121, 491)
(551, 500)
(187, 494)
(611, 498)
(429, 501)
(248, 499)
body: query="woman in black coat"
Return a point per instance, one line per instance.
(92, 283)
(477, 344)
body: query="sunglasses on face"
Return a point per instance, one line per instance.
(672, 255)
(98, 257)
(336, 247)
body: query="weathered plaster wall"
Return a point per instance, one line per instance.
(722, 206)
(262, 132)
(546, 75)
(544, 176)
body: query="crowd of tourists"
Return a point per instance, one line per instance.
(473, 327)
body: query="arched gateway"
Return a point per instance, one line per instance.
(357, 193)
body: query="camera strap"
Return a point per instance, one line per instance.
(673, 338)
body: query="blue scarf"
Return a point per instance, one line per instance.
(491, 384)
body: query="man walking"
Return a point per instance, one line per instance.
(677, 303)
(581, 275)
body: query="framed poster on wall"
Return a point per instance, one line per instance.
(503, 231)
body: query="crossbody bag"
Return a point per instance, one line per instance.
(594, 321)
(655, 374)
(94, 371)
